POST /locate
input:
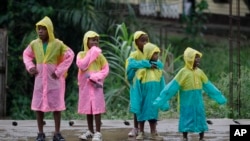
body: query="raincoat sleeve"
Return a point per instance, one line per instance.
(165, 106)
(103, 73)
(66, 61)
(133, 65)
(28, 57)
(166, 94)
(83, 62)
(211, 90)
(214, 93)
(158, 63)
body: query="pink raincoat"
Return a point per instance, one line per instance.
(48, 93)
(93, 69)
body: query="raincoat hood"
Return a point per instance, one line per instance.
(189, 57)
(87, 35)
(149, 49)
(137, 35)
(49, 25)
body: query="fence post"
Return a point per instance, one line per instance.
(3, 71)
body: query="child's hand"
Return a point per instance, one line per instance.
(96, 84)
(33, 71)
(153, 65)
(165, 107)
(54, 76)
(222, 101)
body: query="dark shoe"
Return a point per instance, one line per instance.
(40, 137)
(58, 137)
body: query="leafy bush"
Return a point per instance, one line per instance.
(116, 49)
(241, 97)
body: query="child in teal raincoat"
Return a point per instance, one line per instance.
(147, 85)
(133, 63)
(190, 81)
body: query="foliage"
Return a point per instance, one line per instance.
(19, 17)
(21, 90)
(240, 93)
(195, 22)
(117, 48)
(212, 53)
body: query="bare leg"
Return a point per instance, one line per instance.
(152, 125)
(57, 119)
(135, 130)
(90, 123)
(98, 122)
(141, 124)
(135, 121)
(154, 134)
(185, 135)
(201, 135)
(39, 118)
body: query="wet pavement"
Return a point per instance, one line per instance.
(112, 130)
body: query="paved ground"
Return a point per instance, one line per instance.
(113, 130)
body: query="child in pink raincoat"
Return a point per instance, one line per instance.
(52, 59)
(93, 69)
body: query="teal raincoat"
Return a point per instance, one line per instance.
(190, 83)
(147, 85)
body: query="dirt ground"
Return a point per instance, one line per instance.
(112, 130)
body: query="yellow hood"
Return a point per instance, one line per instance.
(149, 49)
(49, 25)
(137, 35)
(89, 34)
(189, 56)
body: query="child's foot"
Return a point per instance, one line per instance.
(58, 137)
(40, 137)
(87, 135)
(97, 137)
(133, 132)
(140, 136)
(201, 139)
(156, 136)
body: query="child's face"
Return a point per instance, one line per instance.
(43, 33)
(197, 61)
(94, 41)
(141, 41)
(155, 56)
